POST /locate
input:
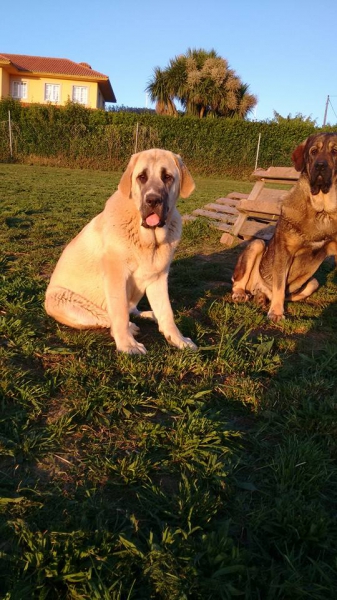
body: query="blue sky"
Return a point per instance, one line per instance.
(285, 51)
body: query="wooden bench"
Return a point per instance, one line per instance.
(245, 216)
(222, 213)
(257, 214)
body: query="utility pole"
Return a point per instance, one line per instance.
(326, 110)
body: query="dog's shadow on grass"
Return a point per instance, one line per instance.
(194, 282)
(193, 277)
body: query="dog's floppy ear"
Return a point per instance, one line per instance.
(124, 185)
(187, 184)
(299, 154)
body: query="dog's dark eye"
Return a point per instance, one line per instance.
(167, 177)
(313, 151)
(142, 177)
(334, 150)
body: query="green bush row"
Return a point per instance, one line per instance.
(76, 136)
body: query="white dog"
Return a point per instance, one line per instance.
(125, 252)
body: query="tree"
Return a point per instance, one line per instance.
(204, 85)
(299, 118)
(160, 92)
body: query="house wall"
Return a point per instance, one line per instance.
(36, 89)
(4, 83)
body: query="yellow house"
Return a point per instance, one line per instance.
(37, 79)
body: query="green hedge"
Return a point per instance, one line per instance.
(79, 137)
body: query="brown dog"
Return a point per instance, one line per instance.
(125, 252)
(305, 234)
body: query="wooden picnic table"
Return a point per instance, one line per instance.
(259, 212)
(246, 216)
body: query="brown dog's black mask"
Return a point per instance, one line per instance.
(317, 158)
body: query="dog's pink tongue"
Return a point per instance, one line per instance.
(152, 220)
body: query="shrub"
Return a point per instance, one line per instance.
(76, 136)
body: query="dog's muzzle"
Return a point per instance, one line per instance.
(154, 211)
(320, 177)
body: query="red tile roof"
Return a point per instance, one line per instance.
(58, 66)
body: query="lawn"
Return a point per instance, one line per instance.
(174, 475)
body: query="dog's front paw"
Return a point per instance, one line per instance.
(260, 298)
(181, 342)
(131, 347)
(187, 343)
(240, 295)
(275, 316)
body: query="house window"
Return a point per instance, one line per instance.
(52, 92)
(80, 94)
(19, 90)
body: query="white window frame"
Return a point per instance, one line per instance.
(19, 89)
(80, 94)
(52, 92)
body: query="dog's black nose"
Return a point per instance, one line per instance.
(321, 165)
(153, 200)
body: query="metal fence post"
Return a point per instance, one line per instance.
(10, 133)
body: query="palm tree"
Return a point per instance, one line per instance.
(203, 83)
(158, 91)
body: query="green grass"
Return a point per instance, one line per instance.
(175, 475)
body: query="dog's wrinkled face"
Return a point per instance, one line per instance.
(317, 157)
(156, 184)
(155, 179)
